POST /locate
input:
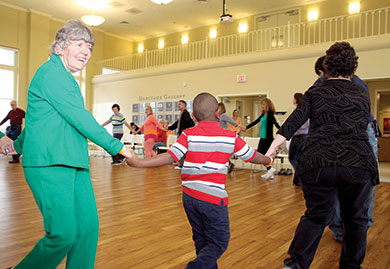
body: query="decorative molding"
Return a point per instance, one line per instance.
(13, 6)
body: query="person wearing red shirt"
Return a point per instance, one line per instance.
(16, 116)
(208, 147)
(161, 140)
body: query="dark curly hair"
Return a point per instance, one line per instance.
(340, 60)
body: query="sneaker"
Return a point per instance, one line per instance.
(269, 174)
(14, 161)
(266, 175)
(117, 163)
(178, 168)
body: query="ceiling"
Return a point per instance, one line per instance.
(146, 19)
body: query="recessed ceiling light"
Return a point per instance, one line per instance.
(354, 7)
(162, 2)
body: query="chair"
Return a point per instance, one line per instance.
(127, 139)
(253, 142)
(170, 141)
(282, 153)
(138, 143)
(96, 151)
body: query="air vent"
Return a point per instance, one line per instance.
(124, 22)
(134, 11)
(202, 1)
(293, 12)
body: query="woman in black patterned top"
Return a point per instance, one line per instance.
(336, 161)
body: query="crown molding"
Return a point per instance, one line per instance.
(13, 6)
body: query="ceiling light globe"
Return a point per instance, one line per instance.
(92, 20)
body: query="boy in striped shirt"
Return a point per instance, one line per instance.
(208, 148)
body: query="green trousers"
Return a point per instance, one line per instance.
(66, 200)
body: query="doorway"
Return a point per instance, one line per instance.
(248, 106)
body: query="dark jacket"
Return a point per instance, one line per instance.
(185, 122)
(339, 113)
(271, 121)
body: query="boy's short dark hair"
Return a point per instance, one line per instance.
(319, 66)
(117, 106)
(184, 102)
(204, 106)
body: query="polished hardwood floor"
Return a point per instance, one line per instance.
(143, 224)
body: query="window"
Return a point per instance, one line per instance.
(80, 78)
(8, 78)
(106, 71)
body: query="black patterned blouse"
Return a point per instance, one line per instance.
(339, 113)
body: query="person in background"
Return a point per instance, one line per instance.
(336, 162)
(237, 119)
(150, 132)
(267, 121)
(224, 120)
(185, 121)
(161, 140)
(55, 154)
(205, 200)
(297, 140)
(117, 120)
(15, 116)
(133, 128)
(337, 223)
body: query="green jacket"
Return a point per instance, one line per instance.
(1, 134)
(57, 124)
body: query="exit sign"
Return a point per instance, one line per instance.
(241, 78)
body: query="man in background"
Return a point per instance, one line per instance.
(185, 121)
(15, 116)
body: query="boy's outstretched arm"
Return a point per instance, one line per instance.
(261, 159)
(159, 160)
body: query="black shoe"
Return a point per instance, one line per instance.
(230, 168)
(338, 239)
(291, 264)
(288, 172)
(282, 171)
(14, 161)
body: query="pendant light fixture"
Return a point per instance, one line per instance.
(92, 20)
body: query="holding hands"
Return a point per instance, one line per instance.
(7, 146)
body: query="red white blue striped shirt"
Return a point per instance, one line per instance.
(208, 148)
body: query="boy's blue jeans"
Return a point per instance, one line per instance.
(210, 231)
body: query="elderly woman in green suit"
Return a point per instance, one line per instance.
(55, 154)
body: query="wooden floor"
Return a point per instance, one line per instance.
(143, 224)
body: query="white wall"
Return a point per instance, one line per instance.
(279, 73)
